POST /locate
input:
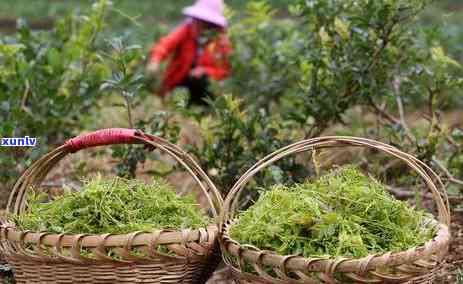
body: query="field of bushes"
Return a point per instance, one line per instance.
(390, 70)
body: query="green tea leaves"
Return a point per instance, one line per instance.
(438, 55)
(342, 28)
(113, 206)
(344, 213)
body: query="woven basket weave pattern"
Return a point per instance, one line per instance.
(164, 256)
(416, 265)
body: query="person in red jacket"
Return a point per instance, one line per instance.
(198, 50)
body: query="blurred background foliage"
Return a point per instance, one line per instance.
(154, 15)
(389, 70)
(140, 20)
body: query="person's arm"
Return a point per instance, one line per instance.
(167, 44)
(163, 48)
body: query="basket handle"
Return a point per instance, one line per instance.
(102, 137)
(37, 172)
(431, 179)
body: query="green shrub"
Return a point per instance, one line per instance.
(49, 83)
(112, 206)
(336, 62)
(343, 213)
(333, 55)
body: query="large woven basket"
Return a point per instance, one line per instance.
(415, 265)
(40, 257)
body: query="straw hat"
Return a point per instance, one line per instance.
(210, 11)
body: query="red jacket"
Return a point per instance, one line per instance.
(181, 45)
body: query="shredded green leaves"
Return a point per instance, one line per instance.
(343, 213)
(115, 206)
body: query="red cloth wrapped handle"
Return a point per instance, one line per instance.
(102, 137)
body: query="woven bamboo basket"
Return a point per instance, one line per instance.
(415, 265)
(41, 257)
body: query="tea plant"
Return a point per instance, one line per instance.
(265, 56)
(336, 56)
(235, 137)
(49, 82)
(128, 81)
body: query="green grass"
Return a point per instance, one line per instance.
(344, 213)
(41, 9)
(147, 9)
(143, 20)
(112, 206)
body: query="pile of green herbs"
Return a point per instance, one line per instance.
(343, 213)
(113, 205)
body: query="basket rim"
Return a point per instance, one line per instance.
(185, 245)
(140, 238)
(252, 254)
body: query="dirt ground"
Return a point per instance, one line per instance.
(454, 261)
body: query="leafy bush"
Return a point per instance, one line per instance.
(336, 55)
(128, 81)
(335, 58)
(49, 82)
(297, 78)
(265, 54)
(234, 137)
